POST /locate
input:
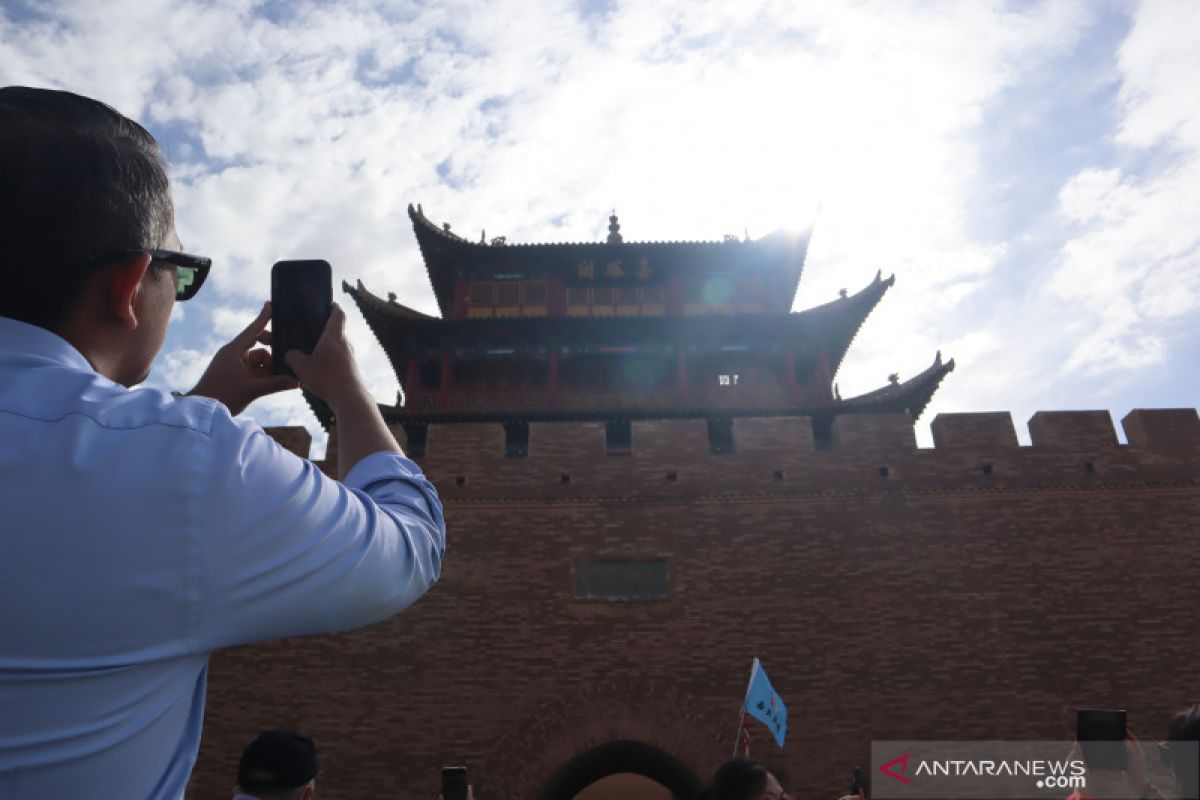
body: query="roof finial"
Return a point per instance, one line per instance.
(614, 229)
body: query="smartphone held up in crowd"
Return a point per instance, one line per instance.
(454, 783)
(1101, 734)
(301, 301)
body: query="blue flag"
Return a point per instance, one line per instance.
(764, 705)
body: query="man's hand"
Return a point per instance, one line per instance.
(240, 373)
(330, 372)
(1135, 770)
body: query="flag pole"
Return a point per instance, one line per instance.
(742, 716)
(741, 725)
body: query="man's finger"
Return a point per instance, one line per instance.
(258, 358)
(248, 336)
(276, 383)
(295, 358)
(264, 337)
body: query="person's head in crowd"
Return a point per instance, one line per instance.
(743, 779)
(278, 765)
(1181, 751)
(87, 226)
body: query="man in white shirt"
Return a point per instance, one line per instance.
(140, 532)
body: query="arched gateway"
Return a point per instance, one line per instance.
(622, 758)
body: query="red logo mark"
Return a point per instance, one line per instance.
(903, 762)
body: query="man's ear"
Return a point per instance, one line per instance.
(124, 283)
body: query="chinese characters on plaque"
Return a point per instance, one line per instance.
(586, 269)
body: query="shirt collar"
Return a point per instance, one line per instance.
(22, 339)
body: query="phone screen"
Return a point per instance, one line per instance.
(301, 299)
(1101, 736)
(454, 783)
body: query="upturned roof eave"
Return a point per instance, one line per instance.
(912, 396)
(830, 321)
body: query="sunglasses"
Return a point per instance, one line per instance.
(190, 271)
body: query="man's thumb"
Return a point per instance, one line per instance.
(281, 383)
(296, 358)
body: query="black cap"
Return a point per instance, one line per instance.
(278, 759)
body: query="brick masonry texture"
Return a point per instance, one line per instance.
(943, 601)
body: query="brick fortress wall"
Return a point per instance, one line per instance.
(976, 590)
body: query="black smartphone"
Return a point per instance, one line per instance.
(454, 783)
(1101, 736)
(858, 784)
(301, 299)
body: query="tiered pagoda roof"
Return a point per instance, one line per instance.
(821, 333)
(447, 255)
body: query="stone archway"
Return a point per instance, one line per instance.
(614, 758)
(627, 727)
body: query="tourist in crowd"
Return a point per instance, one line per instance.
(1181, 752)
(278, 765)
(142, 532)
(1131, 782)
(743, 779)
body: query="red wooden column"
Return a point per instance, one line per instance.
(444, 389)
(793, 386)
(410, 381)
(826, 386)
(552, 389)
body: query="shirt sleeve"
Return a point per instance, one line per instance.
(284, 550)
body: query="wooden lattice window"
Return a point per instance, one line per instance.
(718, 292)
(535, 294)
(481, 294)
(750, 292)
(627, 296)
(602, 296)
(577, 296)
(431, 375)
(508, 294)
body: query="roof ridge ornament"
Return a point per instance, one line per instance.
(614, 229)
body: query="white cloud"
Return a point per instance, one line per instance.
(308, 137)
(182, 368)
(1133, 262)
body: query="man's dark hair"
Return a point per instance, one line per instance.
(277, 762)
(738, 779)
(78, 181)
(1184, 757)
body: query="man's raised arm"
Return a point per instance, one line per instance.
(287, 551)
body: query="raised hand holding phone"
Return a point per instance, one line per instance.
(240, 372)
(302, 298)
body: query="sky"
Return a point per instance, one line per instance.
(1029, 171)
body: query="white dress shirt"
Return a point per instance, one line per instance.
(138, 533)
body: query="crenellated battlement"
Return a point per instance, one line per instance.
(864, 452)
